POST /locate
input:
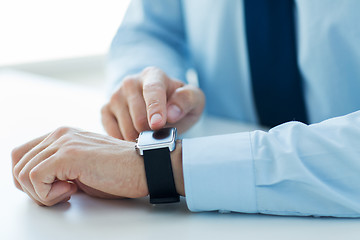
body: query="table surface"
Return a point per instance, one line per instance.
(33, 105)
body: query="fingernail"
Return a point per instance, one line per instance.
(156, 118)
(174, 112)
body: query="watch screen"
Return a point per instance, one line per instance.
(162, 133)
(161, 136)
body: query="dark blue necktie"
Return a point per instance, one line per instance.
(274, 72)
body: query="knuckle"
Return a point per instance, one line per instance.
(116, 97)
(61, 131)
(153, 104)
(23, 176)
(133, 98)
(34, 174)
(150, 69)
(69, 145)
(187, 96)
(66, 139)
(15, 155)
(153, 86)
(193, 94)
(104, 110)
(69, 150)
(16, 171)
(129, 82)
(105, 114)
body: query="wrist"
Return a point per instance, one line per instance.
(176, 162)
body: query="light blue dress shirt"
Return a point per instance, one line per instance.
(293, 169)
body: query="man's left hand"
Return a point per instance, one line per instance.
(53, 167)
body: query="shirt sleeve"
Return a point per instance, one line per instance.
(294, 169)
(151, 34)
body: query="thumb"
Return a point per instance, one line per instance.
(61, 190)
(185, 100)
(47, 184)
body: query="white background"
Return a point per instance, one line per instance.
(40, 30)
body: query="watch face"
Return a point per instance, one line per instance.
(162, 136)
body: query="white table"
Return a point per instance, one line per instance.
(31, 105)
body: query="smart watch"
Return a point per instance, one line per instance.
(155, 147)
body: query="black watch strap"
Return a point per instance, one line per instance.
(159, 176)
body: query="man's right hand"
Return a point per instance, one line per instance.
(151, 100)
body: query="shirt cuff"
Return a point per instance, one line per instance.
(219, 173)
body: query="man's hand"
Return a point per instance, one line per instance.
(151, 100)
(51, 168)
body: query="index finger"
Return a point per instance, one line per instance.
(154, 92)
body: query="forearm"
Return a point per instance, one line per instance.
(293, 169)
(309, 170)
